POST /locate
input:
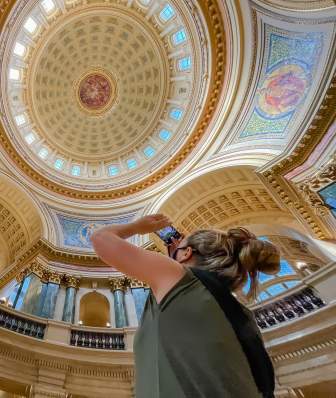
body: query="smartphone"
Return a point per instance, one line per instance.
(166, 234)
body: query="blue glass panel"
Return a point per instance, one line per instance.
(276, 289)
(167, 13)
(59, 164)
(165, 135)
(263, 296)
(264, 277)
(75, 171)
(113, 170)
(179, 37)
(184, 63)
(149, 151)
(285, 268)
(176, 113)
(131, 163)
(264, 238)
(140, 296)
(291, 284)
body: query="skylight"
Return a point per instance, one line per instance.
(14, 74)
(59, 163)
(43, 153)
(179, 37)
(291, 284)
(165, 135)
(149, 151)
(131, 163)
(30, 138)
(184, 63)
(48, 5)
(113, 171)
(263, 296)
(167, 13)
(176, 113)
(20, 119)
(30, 25)
(76, 170)
(19, 49)
(276, 289)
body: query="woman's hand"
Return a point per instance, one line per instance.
(152, 223)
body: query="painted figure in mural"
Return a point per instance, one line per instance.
(95, 91)
(86, 232)
(283, 90)
(195, 339)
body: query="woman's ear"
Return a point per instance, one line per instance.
(187, 254)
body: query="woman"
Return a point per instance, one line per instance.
(195, 340)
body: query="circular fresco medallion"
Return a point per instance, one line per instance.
(283, 89)
(96, 92)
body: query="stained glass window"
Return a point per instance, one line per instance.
(30, 25)
(75, 170)
(59, 163)
(149, 151)
(165, 135)
(113, 170)
(43, 153)
(176, 114)
(131, 163)
(19, 49)
(184, 63)
(167, 13)
(179, 37)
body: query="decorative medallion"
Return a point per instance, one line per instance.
(96, 91)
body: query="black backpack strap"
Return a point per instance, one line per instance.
(245, 329)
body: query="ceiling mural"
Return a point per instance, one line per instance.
(290, 64)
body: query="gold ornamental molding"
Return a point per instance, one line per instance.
(215, 24)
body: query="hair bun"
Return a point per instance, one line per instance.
(254, 254)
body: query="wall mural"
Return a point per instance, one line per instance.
(292, 59)
(76, 232)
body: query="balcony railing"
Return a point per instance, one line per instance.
(92, 339)
(23, 325)
(288, 308)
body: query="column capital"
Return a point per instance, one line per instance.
(56, 278)
(71, 281)
(119, 283)
(134, 283)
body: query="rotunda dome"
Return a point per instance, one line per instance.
(99, 96)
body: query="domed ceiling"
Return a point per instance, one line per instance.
(107, 97)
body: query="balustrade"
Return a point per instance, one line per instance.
(288, 308)
(21, 325)
(91, 339)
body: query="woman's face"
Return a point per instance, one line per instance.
(183, 253)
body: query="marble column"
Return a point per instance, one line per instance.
(32, 297)
(72, 284)
(140, 295)
(118, 288)
(60, 303)
(131, 309)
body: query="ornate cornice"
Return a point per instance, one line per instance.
(215, 24)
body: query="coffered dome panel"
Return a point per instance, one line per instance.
(98, 85)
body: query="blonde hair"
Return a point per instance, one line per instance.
(235, 255)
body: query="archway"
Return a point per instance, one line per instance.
(94, 310)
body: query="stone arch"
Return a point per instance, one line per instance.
(21, 222)
(94, 310)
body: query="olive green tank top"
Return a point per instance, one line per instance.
(186, 348)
